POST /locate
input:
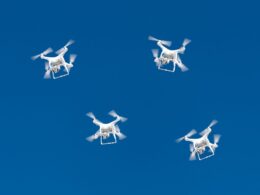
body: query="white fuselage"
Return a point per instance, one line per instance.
(200, 144)
(168, 56)
(106, 129)
(56, 62)
(171, 55)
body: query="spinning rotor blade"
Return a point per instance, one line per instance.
(72, 58)
(91, 115)
(155, 53)
(70, 42)
(123, 119)
(151, 38)
(186, 42)
(216, 138)
(191, 148)
(208, 129)
(193, 156)
(91, 138)
(191, 133)
(180, 139)
(119, 134)
(46, 66)
(69, 66)
(167, 43)
(182, 67)
(47, 74)
(205, 131)
(60, 51)
(156, 56)
(114, 114)
(214, 122)
(157, 62)
(47, 51)
(36, 56)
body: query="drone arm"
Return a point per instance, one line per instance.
(44, 57)
(160, 45)
(96, 122)
(212, 148)
(181, 50)
(116, 120)
(181, 65)
(94, 136)
(65, 50)
(189, 139)
(208, 132)
(178, 59)
(98, 134)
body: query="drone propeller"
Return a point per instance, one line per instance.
(155, 53)
(167, 43)
(214, 122)
(70, 42)
(205, 131)
(47, 74)
(47, 66)
(208, 129)
(193, 152)
(91, 115)
(156, 56)
(182, 67)
(92, 137)
(70, 64)
(186, 42)
(114, 114)
(72, 58)
(216, 138)
(193, 155)
(191, 147)
(191, 133)
(119, 134)
(47, 51)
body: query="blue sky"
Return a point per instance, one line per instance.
(43, 122)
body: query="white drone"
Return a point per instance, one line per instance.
(107, 129)
(168, 55)
(54, 64)
(199, 145)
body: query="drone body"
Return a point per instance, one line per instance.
(53, 65)
(199, 146)
(168, 55)
(107, 129)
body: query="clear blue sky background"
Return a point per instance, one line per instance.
(43, 123)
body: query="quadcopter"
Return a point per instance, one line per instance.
(168, 55)
(199, 145)
(53, 65)
(107, 129)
